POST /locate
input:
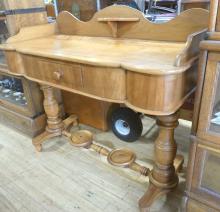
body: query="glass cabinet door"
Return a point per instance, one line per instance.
(203, 180)
(11, 91)
(206, 176)
(209, 119)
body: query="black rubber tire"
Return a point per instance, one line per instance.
(132, 119)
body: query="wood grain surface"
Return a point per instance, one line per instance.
(82, 61)
(134, 55)
(177, 29)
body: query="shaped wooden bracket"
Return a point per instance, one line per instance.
(113, 23)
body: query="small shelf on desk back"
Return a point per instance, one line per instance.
(113, 23)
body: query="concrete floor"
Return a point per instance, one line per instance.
(66, 179)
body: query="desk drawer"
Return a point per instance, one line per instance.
(109, 83)
(65, 74)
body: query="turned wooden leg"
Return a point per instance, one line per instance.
(163, 177)
(54, 123)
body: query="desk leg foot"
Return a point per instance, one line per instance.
(150, 196)
(37, 141)
(163, 177)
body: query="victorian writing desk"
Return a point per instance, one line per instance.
(118, 56)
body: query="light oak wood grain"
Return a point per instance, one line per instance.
(121, 55)
(165, 92)
(134, 55)
(176, 30)
(33, 32)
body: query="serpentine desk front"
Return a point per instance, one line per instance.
(118, 56)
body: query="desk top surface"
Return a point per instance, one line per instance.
(154, 57)
(117, 37)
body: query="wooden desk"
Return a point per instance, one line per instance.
(120, 57)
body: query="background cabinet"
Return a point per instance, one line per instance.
(21, 101)
(209, 120)
(203, 176)
(203, 187)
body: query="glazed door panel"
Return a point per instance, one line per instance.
(211, 175)
(206, 175)
(209, 121)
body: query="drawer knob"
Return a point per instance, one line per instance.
(57, 75)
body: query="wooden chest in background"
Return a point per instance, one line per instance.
(90, 111)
